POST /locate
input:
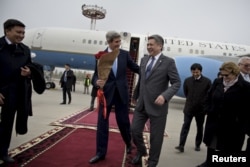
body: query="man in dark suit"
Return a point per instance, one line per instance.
(153, 95)
(115, 90)
(195, 89)
(66, 82)
(16, 73)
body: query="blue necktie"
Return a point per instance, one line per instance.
(148, 70)
(114, 67)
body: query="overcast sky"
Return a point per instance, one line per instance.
(212, 20)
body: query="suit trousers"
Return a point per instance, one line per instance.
(199, 118)
(6, 124)
(68, 91)
(122, 119)
(157, 127)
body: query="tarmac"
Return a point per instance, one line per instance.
(47, 109)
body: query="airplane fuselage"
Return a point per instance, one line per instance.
(57, 46)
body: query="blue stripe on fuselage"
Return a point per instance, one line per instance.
(59, 59)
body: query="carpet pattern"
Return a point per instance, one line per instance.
(88, 119)
(40, 150)
(51, 150)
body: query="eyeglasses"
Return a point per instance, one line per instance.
(225, 75)
(245, 65)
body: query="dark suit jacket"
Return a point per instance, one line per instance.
(163, 73)
(196, 92)
(69, 82)
(120, 81)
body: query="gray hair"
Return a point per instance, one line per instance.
(158, 39)
(111, 35)
(245, 57)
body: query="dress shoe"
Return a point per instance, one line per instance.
(91, 108)
(180, 148)
(137, 158)
(96, 158)
(8, 159)
(129, 149)
(197, 148)
(69, 102)
(204, 164)
(62, 103)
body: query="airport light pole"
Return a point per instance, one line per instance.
(93, 12)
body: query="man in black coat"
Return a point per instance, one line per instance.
(16, 73)
(66, 82)
(195, 89)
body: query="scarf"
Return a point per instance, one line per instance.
(227, 85)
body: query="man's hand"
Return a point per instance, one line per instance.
(160, 100)
(1, 99)
(100, 83)
(25, 71)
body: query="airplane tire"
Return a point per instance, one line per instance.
(53, 85)
(48, 85)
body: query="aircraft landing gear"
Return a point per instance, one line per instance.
(48, 71)
(50, 85)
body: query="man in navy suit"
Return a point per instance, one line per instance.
(116, 93)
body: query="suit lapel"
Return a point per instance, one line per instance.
(157, 64)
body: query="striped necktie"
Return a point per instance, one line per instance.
(148, 70)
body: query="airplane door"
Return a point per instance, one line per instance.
(134, 53)
(37, 40)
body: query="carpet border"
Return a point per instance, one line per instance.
(31, 143)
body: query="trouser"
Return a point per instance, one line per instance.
(199, 118)
(8, 112)
(92, 102)
(68, 91)
(157, 127)
(122, 119)
(86, 89)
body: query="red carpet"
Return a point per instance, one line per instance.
(88, 118)
(69, 147)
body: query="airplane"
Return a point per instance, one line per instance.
(54, 47)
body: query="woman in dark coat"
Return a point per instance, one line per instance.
(227, 108)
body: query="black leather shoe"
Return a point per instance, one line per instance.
(8, 159)
(137, 158)
(69, 102)
(180, 148)
(95, 159)
(91, 108)
(129, 149)
(62, 103)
